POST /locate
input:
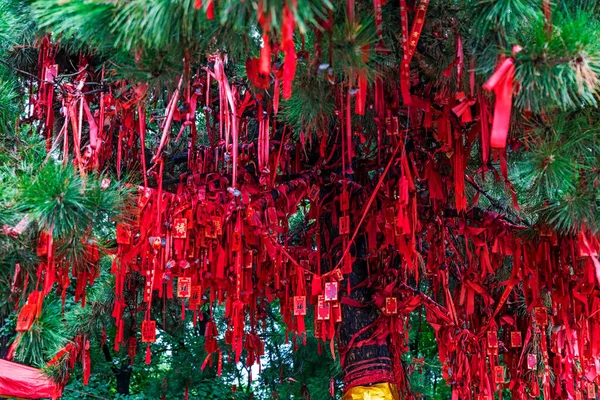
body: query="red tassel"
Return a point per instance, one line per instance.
(459, 176)
(86, 361)
(220, 364)
(148, 354)
(361, 97)
(210, 9)
(409, 44)
(547, 6)
(485, 130)
(287, 42)
(276, 90)
(265, 56)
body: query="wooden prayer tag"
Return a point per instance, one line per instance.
(516, 339)
(323, 309)
(195, 297)
(391, 306)
(337, 275)
(148, 331)
(591, 390)
(210, 231)
(345, 225)
(123, 234)
(344, 201)
(540, 315)
(395, 125)
(272, 218)
(336, 311)
(391, 124)
(229, 336)
(236, 241)
(331, 291)
(26, 317)
(499, 374)
(51, 72)
(200, 239)
(492, 339)
(299, 305)
(179, 228)
(144, 198)
(183, 287)
(216, 221)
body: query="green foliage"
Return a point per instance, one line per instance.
(557, 178)
(96, 315)
(12, 25)
(63, 202)
(310, 107)
(348, 44)
(555, 69)
(44, 339)
(68, 18)
(423, 360)
(9, 106)
(560, 69)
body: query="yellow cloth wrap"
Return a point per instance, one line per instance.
(380, 391)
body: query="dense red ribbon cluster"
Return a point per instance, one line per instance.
(507, 309)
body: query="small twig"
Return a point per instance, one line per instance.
(74, 73)
(102, 89)
(26, 73)
(494, 202)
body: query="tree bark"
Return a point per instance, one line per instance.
(4, 341)
(122, 374)
(372, 363)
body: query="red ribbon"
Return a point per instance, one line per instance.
(501, 82)
(409, 44)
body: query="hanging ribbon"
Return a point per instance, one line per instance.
(501, 82)
(409, 45)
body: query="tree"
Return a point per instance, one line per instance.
(286, 150)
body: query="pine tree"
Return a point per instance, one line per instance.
(137, 55)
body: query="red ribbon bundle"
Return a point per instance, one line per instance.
(224, 232)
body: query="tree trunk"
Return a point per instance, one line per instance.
(122, 374)
(4, 341)
(372, 363)
(368, 364)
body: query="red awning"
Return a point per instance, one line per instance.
(17, 380)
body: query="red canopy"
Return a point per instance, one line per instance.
(25, 382)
